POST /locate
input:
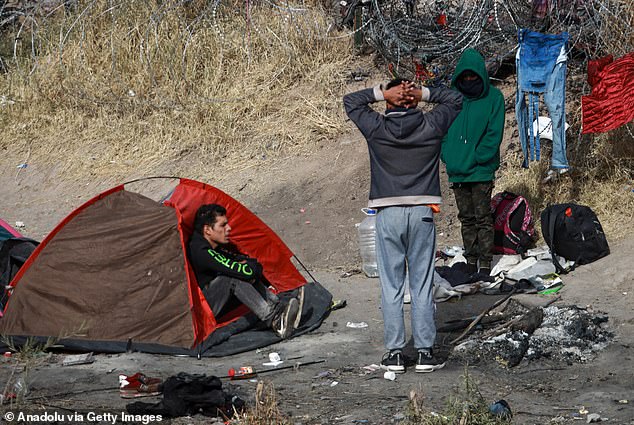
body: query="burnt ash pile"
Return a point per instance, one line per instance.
(567, 334)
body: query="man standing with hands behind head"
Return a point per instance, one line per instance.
(404, 148)
(471, 152)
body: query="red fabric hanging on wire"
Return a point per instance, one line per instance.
(611, 103)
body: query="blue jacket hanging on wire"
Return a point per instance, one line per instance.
(541, 69)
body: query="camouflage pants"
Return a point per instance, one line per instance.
(474, 212)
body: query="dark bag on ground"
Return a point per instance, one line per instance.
(574, 232)
(186, 394)
(513, 224)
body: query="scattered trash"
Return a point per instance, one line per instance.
(371, 368)
(244, 372)
(20, 387)
(274, 360)
(360, 421)
(623, 401)
(389, 375)
(111, 370)
(349, 273)
(302, 210)
(23, 165)
(356, 325)
(323, 374)
(77, 359)
(501, 409)
(131, 93)
(583, 410)
(307, 222)
(337, 304)
(139, 385)
(547, 281)
(7, 354)
(334, 383)
(452, 251)
(20, 224)
(594, 417)
(536, 252)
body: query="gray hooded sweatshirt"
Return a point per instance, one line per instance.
(404, 145)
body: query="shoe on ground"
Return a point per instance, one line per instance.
(428, 362)
(393, 361)
(283, 324)
(554, 174)
(139, 385)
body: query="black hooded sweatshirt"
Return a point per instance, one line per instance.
(208, 263)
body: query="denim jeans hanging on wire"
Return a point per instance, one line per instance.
(541, 68)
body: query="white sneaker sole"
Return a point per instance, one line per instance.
(300, 297)
(395, 369)
(288, 319)
(429, 368)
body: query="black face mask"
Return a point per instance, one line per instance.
(470, 88)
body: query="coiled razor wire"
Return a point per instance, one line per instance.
(434, 32)
(421, 38)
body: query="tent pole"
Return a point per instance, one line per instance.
(304, 267)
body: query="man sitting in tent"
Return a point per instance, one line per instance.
(225, 275)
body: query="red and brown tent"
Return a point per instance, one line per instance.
(114, 276)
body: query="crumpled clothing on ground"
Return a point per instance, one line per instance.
(186, 394)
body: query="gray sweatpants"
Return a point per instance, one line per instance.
(406, 237)
(256, 296)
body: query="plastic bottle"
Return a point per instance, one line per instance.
(367, 242)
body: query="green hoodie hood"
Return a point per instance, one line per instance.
(471, 148)
(472, 60)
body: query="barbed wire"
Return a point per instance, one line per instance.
(424, 37)
(436, 32)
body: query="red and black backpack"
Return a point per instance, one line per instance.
(513, 224)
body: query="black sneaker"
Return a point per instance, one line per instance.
(393, 361)
(427, 362)
(283, 324)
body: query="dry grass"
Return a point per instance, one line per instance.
(265, 411)
(132, 86)
(466, 406)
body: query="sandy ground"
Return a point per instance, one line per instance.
(330, 187)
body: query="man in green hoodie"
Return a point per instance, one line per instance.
(471, 151)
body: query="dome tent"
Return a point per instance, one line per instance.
(113, 276)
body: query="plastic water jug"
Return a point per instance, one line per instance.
(367, 244)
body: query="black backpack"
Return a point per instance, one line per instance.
(574, 232)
